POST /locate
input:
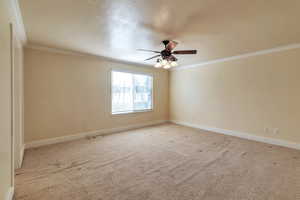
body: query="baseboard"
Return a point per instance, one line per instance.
(39, 143)
(20, 159)
(243, 135)
(10, 194)
(21, 156)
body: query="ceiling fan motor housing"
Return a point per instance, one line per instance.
(166, 42)
(167, 53)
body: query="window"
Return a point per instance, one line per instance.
(131, 92)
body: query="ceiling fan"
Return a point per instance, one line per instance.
(166, 59)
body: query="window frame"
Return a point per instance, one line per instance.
(111, 92)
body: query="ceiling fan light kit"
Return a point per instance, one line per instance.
(174, 64)
(165, 64)
(167, 60)
(158, 65)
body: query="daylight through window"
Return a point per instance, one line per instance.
(131, 92)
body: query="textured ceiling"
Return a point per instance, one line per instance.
(116, 28)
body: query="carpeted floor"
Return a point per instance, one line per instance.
(166, 162)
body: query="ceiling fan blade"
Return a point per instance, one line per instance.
(185, 52)
(152, 57)
(148, 50)
(171, 45)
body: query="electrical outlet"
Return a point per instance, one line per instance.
(266, 130)
(275, 131)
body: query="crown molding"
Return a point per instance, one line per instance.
(19, 25)
(56, 50)
(76, 53)
(221, 60)
(241, 56)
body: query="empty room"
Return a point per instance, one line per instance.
(149, 100)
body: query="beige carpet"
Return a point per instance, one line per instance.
(166, 162)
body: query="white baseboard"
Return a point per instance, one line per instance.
(20, 159)
(10, 194)
(241, 135)
(21, 156)
(39, 143)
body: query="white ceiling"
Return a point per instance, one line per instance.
(116, 28)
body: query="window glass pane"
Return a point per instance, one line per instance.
(131, 92)
(142, 92)
(122, 99)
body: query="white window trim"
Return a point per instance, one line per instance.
(133, 111)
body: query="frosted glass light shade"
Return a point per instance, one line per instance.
(164, 62)
(167, 66)
(157, 65)
(174, 64)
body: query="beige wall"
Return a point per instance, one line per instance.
(242, 95)
(5, 100)
(68, 94)
(8, 95)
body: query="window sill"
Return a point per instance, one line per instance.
(131, 112)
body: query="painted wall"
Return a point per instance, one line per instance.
(18, 101)
(68, 94)
(5, 92)
(242, 95)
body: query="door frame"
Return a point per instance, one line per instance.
(12, 101)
